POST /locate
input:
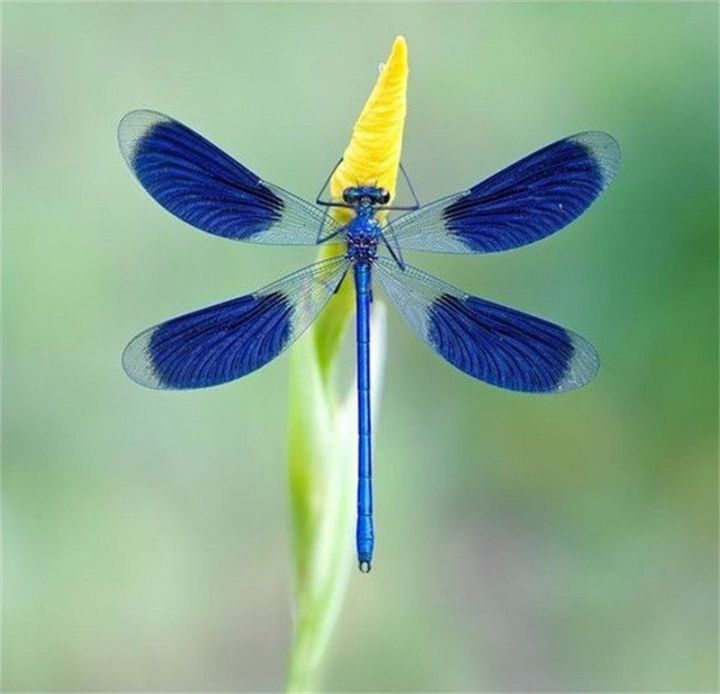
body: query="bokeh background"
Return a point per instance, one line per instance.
(525, 543)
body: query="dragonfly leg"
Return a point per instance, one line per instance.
(342, 279)
(318, 199)
(321, 239)
(396, 253)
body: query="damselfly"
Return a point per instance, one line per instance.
(526, 202)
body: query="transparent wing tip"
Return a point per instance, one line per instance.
(605, 151)
(137, 361)
(133, 127)
(583, 366)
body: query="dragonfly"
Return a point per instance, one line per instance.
(523, 203)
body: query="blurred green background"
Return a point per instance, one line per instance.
(525, 543)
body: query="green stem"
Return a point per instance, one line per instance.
(323, 438)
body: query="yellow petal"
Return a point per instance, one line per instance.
(373, 155)
(371, 158)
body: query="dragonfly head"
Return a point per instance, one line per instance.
(366, 196)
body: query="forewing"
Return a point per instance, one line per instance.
(203, 186)
(494, 343)
(224, 342)
(526, 202)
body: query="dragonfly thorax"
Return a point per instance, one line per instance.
(363, 232)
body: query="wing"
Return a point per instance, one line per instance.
(526, 202)
(224, 342)
(203, 186)
(496, 344)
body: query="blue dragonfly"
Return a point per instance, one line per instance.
(526, 202)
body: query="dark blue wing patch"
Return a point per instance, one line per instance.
(526, 202)
(229, 340)
(505, 347)
(197, 182)
(213, 345)
(194, 179)
(497, 344)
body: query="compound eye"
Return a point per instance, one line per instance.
(384, 196)
(348, 195)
